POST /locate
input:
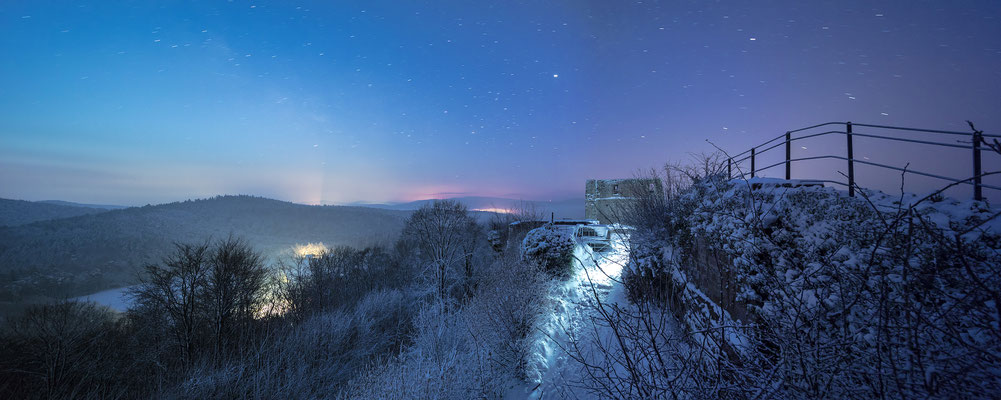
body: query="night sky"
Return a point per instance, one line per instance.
(335, 102)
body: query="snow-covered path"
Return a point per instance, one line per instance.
(572, 313)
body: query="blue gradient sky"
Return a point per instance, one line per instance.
(333, 102)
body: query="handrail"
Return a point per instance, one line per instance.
(819, 134)
(795, 159)
(910, 171)
(899, 128)
(816, 126)
(922, 130)
(772, 140)
(975, 143)
(958, 146)
(758, 152)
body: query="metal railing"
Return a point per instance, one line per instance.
(976, 139)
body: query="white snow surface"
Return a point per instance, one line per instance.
(553, 374)
(551, 371)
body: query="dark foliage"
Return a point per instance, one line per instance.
(65, 350)
(336, 278)
(20, 212)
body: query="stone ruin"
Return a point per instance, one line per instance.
(609, 200)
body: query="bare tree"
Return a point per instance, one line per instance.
(55, 349)
(290, 285)
(234, 292)
(443, 236)
(332, 279)
(176, 288)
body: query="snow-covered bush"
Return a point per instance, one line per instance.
(647, 277)
(505, 310)
(293, 364)
(312, 359)
(666, 225)
(805, 292)
(442, 363)
(475, 350)
(860, 297)
(496, 238)
(549, 248)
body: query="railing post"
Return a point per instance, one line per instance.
(978, 190)
(729, 173)
(788, 155)
(752, 162)
(851, 161)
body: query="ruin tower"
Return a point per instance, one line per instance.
(608, 200)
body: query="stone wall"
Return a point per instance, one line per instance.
(703, 298)
(608, 200)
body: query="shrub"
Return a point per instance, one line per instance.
(847, 297)
(312, 359)
(504, 312)
(333, 279)
(550, 249)
(444, 362)
(648, 275)
(60, 350)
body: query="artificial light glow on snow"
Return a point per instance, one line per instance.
(596, 279)
(607, 266)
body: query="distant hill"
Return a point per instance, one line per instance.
(72, 204)
(571, 208)
(86, 253)
(20, 212)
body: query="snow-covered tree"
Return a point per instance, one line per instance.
(442, 237)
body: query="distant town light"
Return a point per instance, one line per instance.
(310, 249)
(495, 210)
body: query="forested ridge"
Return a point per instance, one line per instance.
(21, 212)
(72, 256)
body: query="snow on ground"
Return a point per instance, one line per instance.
(552, 372)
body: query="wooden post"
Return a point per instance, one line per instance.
(978, 190)
(788, 156)
(851, 161)
(752, 162)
